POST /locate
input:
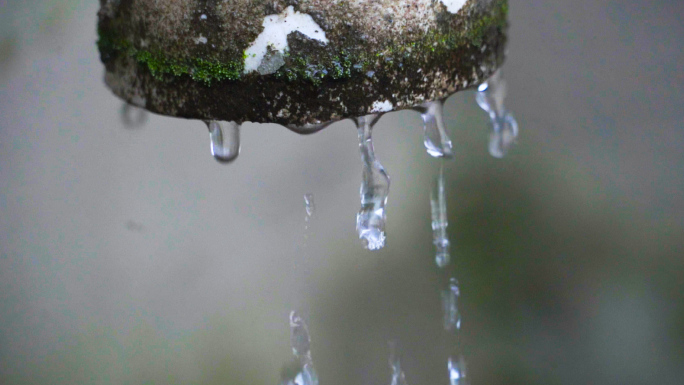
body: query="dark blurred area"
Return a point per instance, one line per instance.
(129, 256)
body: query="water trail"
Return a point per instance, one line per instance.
(225, 140)
(452, 317)
(457, 371)
(398, 377)
(301, 345)
(490, 97)
(439, 221)
(436, 140)
(133, 117)
(310, 207)
(370, 221)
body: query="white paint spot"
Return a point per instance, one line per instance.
(276, 29)
(453, 6)
(379, 106)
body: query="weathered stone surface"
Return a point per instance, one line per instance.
(240, 60)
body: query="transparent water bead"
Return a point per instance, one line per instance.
(436, 140)
(439, 221)
(299, 337)
(398, 377)
(309, 204)
(301, 344)
(452, 317)
(490, 97)
(225, 140)
(133, 117)
(457, 371)
(370, 221)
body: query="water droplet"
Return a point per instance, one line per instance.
(370, 221)
(307, 129)
(301, 343)
(452, 317)
(133, 117)
(398, 377)
(309, 204)
(439, 221)
(436, 140)
(457, 371)
(490, 97)
(299, 336)
(225, 140)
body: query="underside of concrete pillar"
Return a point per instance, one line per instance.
(296, 62)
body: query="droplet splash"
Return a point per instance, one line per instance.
(133, 117)
(452, 317)
(436, 140)
(225, 140)
(370, 221)
(457, 371)
(490, 97)
(301, 343)
(398, 377)
(439, 221)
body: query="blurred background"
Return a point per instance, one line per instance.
(129, 256)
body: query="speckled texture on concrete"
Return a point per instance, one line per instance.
(186, 58)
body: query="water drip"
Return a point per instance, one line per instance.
(133, 117)
(436, 140)
(398, 377)
(307, 129)
(370, 221)
(301, 343)
(452, 317)
(457, 371)
(490, 97)
(439, 221)
(225, 140)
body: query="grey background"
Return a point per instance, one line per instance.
(130, 256)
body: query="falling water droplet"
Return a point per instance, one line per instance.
(225, 140)
(457, 371)
(436, 140)
(452, 317)
(398, 377)
(309, 204)
(133, 117)
(301, 344)
(490, 97)
(439, 221)
(370, 221)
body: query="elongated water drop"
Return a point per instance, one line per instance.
(452, 317)
(490, 97)
(303, 372)
(309, 204)
(436, 140)
(457, 371)
(225, 140)
(398, 377)
(439, 221)
(132, 116)
(370, 221)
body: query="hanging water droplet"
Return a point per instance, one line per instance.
(490, 97)
(436, 140)
(398, 377)
(225, 140)
(457, 371)
(452, 317)
(308, 129)
(133, 117)
(439, 221)
(370, 221)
